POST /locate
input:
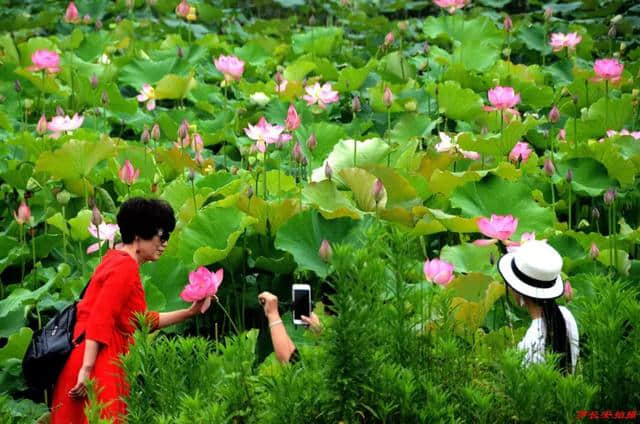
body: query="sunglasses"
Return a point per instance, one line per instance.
(164, 237)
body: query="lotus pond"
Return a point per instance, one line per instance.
(385, 152)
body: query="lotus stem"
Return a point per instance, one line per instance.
(99, 244)
(606, 104)
(264, 157)
(228, 316)
(193, 194)
(586, 89)
(575, 129)
(388, 135)
(570, 192)
(355, 148)
(22, 240)
(64, 235)
(501, 132)
(402, 57)
(33, 251)
(615, 234)
(610, 219)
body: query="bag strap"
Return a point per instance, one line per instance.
(80, 338)
(84, 289)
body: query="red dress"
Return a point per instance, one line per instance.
(106, 315)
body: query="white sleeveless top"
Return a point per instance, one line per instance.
(534, 340)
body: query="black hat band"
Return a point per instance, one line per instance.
(541, 284)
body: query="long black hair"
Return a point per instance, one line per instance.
(556, 332)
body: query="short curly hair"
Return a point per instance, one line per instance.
(144, 217)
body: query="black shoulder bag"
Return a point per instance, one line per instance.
(50, 347)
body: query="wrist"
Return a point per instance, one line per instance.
(87, 368)
(273, 316)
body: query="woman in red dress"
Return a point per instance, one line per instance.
(106, 314)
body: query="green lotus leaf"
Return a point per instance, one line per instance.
(22, 296)
(395, 68)
(17, 345)
(476, 55)
(80, 224)
(467, 257)
(79, 157)
(302, 235)
(173, 86)
(9, 48)
(427, 225)
(368, 152)
(12, 323)
(487, 196)
(168, 275)
(454, 223)
(278, 182)
(210, 235)
(618, 155)
(156, 300)
(299, 69)
(177, 193)
(590, 177)
(457, 27)
(277, 212)
(351, 78)
(446, 181)
(601, 116)
(49, 85)
(472, 287)
(459, 103)
(470, 315)
(322, 41)
(400, 192)
(329, 201)
(361, 184)
(535, 37)
(412, 126)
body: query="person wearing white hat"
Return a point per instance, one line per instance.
(532, 274)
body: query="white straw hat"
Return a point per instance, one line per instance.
(533, 270)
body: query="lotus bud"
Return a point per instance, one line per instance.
(59, 111)
(325, 252)
(118, 19)
(484, 130)
(328, 172)
(547, 13)
(549, 169)
(612, 32)
(595, 213)
(17, 86)
(312, 142)
(98, 24)
(616, 19)
(508, 24)
(94, 81)
(145, 136)
(152, 3)
(562, 134)
(609, 196)
(234, 170)
(569, 176)
(24, 214)
(155, 132)
(278, 78)
(378, 190)
(96, 218)
(312, 20)
(568, 291)
(623, 47)
(554, 115)
(355, 104)
(250, 192)
(426, 47)
(594, 252)
(296, 152)
(2, 98)
(183, 129)
(388, 39)
(411, 106)
(387, 97)
(41, 127)
(86, 19)
(403, 26)
(104, 98)
(304, 162)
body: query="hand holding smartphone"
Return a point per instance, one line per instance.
(301, 302)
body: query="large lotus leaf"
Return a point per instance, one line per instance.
(494, 195)
(257, 51)
(303, 234)
(467, 257)
(427, 225)
(13, 322)
(322, 41)
(432, 161)
(211, 235)
(446, 181)
(459, 103)
(177, 193)
(75, 159)
(169, 275)
(173, 86)
(361, 184)
(472, 286)
(395, 68)
(535, 37)
(21, 296)
(618, 155)
(368, 152)
(327, 136)
(457, 27)
(477, 55)
(351, 79)
(140, 71)
(299, 69)
(278, 182)
(453, 223)
(329, 201)
(173, 162)
(399, 190)
(80, 224)
(17, 345)
(590, 177)
(595, 122)
(277, 212)
(412, 126)
(8, 47)
(620, 262)
(470, 315)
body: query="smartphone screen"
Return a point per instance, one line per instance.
(301, 303)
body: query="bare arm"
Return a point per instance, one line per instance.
(91, 348)
(282, 344)
(174, 317)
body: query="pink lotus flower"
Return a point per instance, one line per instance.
(183, 8)
(41, 127)
(521, 151)
(388, 39)
(197, 144)
(103, 232)
(71, 15)
(24, 214)
(446, 145)
(231, 67)
(451, 5)
(202, 283)
(559, 41)
(502, 98)
(624, 131)
(438, 271)
(60, 124)
(525, 237)
(325, 252)
(499, 227)
(320, 95)
(147, 94)
(562, 134)
(263, 133)
(293, 120)
(608, 69)
(45, 60)
(128, 174)
(568, 291)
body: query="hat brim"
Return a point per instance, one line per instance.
(504, 267)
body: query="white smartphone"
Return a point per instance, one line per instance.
(301, 302)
